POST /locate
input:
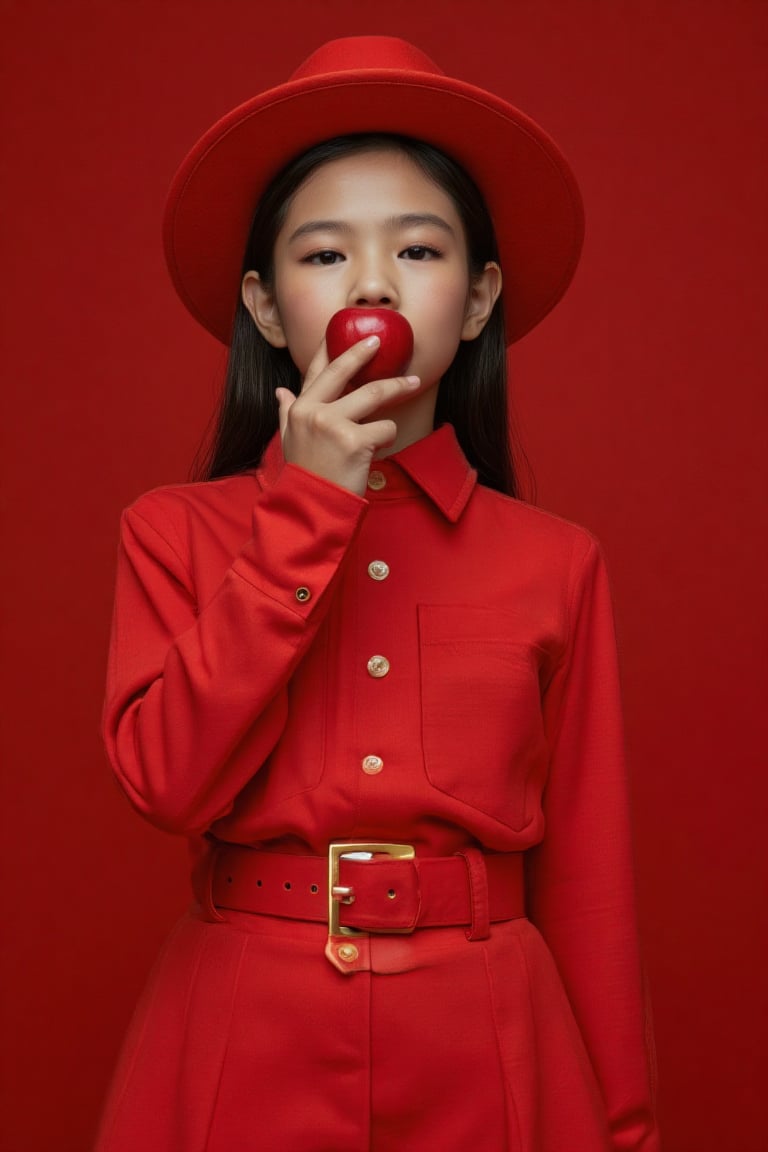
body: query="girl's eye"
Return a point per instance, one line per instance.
(324, 257)
(420, 252)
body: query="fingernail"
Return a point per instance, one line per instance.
(413, 380)
(372, 342)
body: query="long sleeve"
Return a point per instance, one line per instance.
(581, 875)
(196, 691)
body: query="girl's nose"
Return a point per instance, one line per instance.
(374, 288)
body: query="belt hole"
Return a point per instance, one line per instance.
(287, 885)
(391, 894)
(258, 883)
(229, 879)
(314, 888)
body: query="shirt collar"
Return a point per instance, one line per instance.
(436, 464)
(440, 468)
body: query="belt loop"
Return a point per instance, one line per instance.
(480, 928)
(202, 881)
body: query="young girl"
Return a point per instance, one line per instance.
(375, 690)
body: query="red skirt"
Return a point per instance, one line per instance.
(248, 1040)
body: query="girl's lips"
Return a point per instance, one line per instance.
(393, 355)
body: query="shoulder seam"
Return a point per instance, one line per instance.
(134, 512)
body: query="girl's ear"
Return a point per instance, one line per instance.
(262, 305)
(484, 291)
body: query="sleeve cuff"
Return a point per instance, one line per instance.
(303, 526)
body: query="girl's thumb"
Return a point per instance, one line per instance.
(285, 399)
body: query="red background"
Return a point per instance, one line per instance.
(641, 400)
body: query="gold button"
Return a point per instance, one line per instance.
(372, 765)
(348, 952)
(378, 570)
(303, 594)
(376, 480)
(378, 666)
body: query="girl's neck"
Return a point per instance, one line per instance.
(415, 419)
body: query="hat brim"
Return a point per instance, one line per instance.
(527, 183)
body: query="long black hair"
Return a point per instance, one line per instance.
(473, 392)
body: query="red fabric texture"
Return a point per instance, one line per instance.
(236, 710)
(248, 1039)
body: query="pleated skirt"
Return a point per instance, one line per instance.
(248, 1040)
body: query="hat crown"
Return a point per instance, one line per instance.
(356, 53)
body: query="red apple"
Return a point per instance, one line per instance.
(393, 355)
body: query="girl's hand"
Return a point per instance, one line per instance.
(321, 429)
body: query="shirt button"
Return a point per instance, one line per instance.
(372, 765)
(303, 594)
(378, 570)
(376, 480)
(378, 666)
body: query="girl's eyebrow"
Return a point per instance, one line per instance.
(392, 223)
(415, 219)
(312, 226)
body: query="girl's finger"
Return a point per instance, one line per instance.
(285, 399)
(329, 381)
(369, 398)
(316, 365)
(381, 433)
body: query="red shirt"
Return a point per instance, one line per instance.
(434, 664)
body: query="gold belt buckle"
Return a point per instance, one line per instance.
(338, 894)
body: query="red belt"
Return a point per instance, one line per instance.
(391, 891)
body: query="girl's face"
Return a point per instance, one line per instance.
(371, 230)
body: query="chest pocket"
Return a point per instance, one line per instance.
(481, 709)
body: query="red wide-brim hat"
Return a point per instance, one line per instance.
(374, 84)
